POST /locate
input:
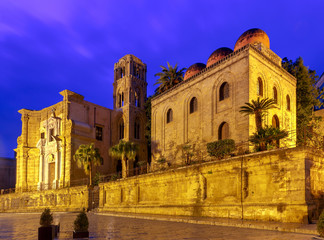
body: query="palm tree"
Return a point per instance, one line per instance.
(124, 151)
(259, 109)
(87, 156)
(267, 136)
(169, 77)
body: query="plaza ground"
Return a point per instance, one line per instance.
(104, 226)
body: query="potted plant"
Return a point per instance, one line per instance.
(81, 225)
(46, 230)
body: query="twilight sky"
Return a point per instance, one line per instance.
(48, 46)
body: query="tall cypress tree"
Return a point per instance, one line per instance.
(307, 97)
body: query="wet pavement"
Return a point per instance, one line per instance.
(25, 226)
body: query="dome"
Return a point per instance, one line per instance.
(253, 35)
(218, 55)
(194, 69)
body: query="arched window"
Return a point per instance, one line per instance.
(260, 87)
(122, 72)
(121, 129)
(137, 99)
(120, 99)
(275, 95)
(223, 131)
(169, 116)
(288, 102)
(224, 91)
(193, 105)
(275, 121)
(137, 129)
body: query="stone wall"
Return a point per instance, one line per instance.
(280, 185)
(242, 70)
(65, 199)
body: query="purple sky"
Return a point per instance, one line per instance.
(48, 46)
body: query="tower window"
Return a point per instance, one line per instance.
(120, 99)
(288, 102)
(121, 130)
(137, 129)
(224, 91)
(122, 72)
(275, 95)
(193, 105)
(99, 133)
(260, 87)
(169, 116)
(223, 131)
(137, 99)
(42, 135)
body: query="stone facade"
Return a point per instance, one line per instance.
(59, 200)
(219, 91)
(280, 185)
(51, 136)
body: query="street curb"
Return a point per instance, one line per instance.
(215, 223)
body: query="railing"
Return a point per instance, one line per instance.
(310, 139)
(113, 177)
(44, 187)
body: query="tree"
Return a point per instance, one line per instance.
(259, 109)
(307, 97)
(169, 77)
(148, 113)
(187, 153)
(87, 156)
(124, 151)
(266, 137)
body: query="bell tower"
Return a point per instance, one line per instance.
(129, 98)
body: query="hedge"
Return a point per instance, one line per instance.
(221, 148)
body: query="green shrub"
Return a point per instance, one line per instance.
(161, 160)
(267, 138)
(96, 179)
(221, 148)
(320, 224)
(114, 177)
(81, 223)
(46, 218)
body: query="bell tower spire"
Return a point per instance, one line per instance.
(129, 98)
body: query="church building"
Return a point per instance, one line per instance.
(205, 106)
(51, 136)
(201, 109)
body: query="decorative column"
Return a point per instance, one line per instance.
(41, 161)
(24, 169)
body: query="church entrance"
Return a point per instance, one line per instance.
(51, 174)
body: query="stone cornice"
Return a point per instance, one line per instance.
(272, 62)
(223, 61)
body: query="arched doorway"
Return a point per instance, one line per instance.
(276, 124)
(223, 131)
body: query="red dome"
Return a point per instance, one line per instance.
(253, 35)
(194, 69)
(218, 55)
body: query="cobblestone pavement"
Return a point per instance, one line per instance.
(24, 226)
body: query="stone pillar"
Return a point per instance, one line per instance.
(25, 119)
(55, 185)
(41, 161)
